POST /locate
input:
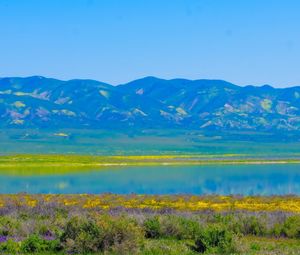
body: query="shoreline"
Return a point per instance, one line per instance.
(111, 161)
(152, 164)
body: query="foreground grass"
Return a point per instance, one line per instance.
(263, 246)
(249, 246)
(51, 227)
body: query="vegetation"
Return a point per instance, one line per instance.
(148, 142)
(289, 204)
(39, 225)
(30, 163)
(38, 102)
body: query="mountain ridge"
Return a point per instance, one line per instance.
(149, 102)
(142, 78)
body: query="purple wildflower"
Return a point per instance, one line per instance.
(48, 236)
(3, 239)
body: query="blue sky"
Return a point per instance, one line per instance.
(242, 41)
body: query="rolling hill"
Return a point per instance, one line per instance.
(39, 102)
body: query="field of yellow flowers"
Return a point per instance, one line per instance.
(159, 202)
(28, 161)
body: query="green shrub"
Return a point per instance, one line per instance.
(277, 230)
(9, 226)
(35, 243)
(81, 236)
(9, 247)
(179, 227)
(171, 226)
(291, 227)
(249, 225)
(216, 239)
(152, 227)
(255, 247)
(46, 228)
(121, 235)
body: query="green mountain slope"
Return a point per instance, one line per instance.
(40, 102)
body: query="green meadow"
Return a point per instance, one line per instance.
(52, 163)
(147, 142)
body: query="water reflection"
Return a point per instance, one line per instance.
(219, 179)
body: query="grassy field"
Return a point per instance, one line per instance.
(77, 162)
(147, 142)
(111, 224)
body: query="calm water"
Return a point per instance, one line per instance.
(220, 179)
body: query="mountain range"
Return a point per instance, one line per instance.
(39, 102)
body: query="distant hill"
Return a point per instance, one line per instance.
(39, 102)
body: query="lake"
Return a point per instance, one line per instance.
(209, 179)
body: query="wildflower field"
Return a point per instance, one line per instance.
(77, 161)
(145, 224)
(290, 204)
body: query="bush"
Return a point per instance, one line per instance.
(34, 243)
(81, 236)
(179, 227)
(291, 227)
(252, 225)
(47, 228)
(255, 247)
(9, 247)
(217, 239)
(121, 235)
(9, 226)
(152, 227)
(171, 226)
(277, 230)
